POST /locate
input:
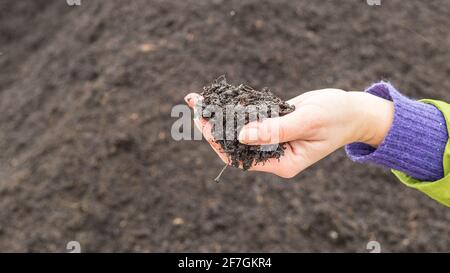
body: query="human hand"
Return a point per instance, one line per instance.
(324, 121)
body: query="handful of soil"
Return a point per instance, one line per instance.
(249, 105)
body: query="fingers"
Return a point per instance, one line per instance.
(300, 124)
(298, 156)
(204, 126)
(301, 98)
(192, 98)
(284, 167)
(289, 165)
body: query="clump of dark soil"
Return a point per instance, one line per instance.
(246, 105)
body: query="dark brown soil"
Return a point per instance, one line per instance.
(85, 147)
(224, 103)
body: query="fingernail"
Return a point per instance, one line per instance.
(249, 135)
(187, 99)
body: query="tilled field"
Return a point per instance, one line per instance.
(86, 153)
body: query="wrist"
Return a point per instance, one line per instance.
(374, 117)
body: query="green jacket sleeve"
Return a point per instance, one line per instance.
(440, 189)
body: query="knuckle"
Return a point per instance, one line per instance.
(282, 133)
(314, 122)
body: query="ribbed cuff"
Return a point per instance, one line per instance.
(415, 143)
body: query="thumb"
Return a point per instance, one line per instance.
(293, 126)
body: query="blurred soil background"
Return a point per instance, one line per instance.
(86, 153)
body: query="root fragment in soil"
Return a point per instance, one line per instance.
(217, 179)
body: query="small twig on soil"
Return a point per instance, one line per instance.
(220, 174)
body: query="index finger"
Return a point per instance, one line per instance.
(192, 99)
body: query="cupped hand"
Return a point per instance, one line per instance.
(323, 121)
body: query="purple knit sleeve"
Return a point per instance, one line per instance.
(415, 143)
